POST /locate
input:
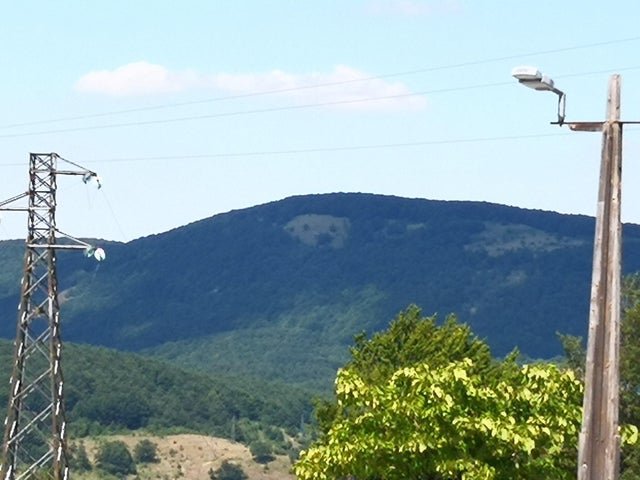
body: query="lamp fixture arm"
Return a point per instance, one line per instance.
(562, 100)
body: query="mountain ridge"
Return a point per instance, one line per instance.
(290, 282)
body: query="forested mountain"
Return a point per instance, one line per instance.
(279, 290)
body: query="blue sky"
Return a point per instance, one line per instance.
(168, 102)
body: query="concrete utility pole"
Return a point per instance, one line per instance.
(599, 444)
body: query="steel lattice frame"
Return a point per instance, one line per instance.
(35, 439)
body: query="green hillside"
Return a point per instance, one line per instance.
(110, 391)
(277, 291)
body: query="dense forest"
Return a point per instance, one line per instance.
(279, 290)
(110, 391)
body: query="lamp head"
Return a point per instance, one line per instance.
(525, 73)
(532, 77)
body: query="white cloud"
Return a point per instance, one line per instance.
(139, 78)
(342, 87)
(412, 7)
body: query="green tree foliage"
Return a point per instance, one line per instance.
(630, 373)
(629, 369)
(228, 471)
(145, 451)
(574, 352)
(261, 451)
(410, 340)
(109, 391)
(630, 352)
(79, 460)
(422, 401)
(114, 457)
(130, 410)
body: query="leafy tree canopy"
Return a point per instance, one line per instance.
(630, 352)
(412, 339)
(109, 391)
(114, 457)
(146, 451)
(422, 401)
(261, 451)
(630, 372)
(79, 459)
(228, 471)
(575, 353)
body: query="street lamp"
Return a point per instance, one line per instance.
(599, 442)
(532, 77)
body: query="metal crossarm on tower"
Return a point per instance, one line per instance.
(35, 430)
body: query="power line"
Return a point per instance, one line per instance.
(345, 148)
(290, 107)
(113, 215)
(327, 84)
(598, 72)
(313, 150)
(252, 111)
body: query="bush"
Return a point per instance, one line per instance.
(79, 460)
(146, 451)
(115, 458)
(262, 452)
(228, 471)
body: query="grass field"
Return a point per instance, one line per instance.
(190, 457)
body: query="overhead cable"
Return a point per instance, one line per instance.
(344, 148)
(326, 84)
(289, 107)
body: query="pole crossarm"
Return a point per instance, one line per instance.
(594, 126)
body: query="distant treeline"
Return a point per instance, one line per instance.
(108, 391)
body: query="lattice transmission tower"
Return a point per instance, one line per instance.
(34, 444)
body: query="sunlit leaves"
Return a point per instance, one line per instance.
(427, 419)
(447, 421)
